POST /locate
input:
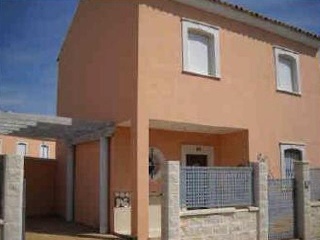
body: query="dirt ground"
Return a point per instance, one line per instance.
(57, 229)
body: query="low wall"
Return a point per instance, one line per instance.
(40, 186)
(315, 220)
(219, 224)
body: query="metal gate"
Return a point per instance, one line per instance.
(281, 208)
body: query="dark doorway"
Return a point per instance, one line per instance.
(197, 160)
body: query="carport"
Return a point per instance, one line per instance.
(69, 131)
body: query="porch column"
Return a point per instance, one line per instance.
(140, 167)
(103, 184)
(70, 184)
(302, 199)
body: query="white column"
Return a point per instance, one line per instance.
(70, 184)
(103, 184)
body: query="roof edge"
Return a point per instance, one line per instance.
(66, 36)
(240, 14)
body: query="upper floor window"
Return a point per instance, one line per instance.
(287, 69)
(44, 151)
(201, 54)
(289, 154)
(21, 148)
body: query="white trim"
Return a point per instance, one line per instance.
(244, 17)
(285, 146)
(292, 143)
(22, 142)
(40, 147)
(1, 146)
(213, 33)
(197, 149)
(281, 51)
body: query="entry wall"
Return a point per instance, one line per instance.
(229, 150)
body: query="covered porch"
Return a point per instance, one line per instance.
(189, 144)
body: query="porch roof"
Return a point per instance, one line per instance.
(71, 130)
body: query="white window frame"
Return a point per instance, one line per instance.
(287, 146)
(208, 30)
(280, 51)
(22, 142)
(197, 150)
(46, 145)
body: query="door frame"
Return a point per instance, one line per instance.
(197, 150)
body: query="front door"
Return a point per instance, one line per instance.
(196, 160)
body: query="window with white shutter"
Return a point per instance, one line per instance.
(44, 151)
(200, 49)
(287, 71)
(21, 148)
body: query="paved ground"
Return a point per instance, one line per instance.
(58, 229)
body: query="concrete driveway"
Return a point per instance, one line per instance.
(57, 229)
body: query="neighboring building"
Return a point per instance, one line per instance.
(27, 147)
(201, 82)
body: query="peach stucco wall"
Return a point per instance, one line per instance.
(97, 63)
(97, 69)
(40, 186)
(244, 97)
(8, 145)
(87, 184)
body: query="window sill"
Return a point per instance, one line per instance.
(202, 75)
(188, 213)
(297, 94)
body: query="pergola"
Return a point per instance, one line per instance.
(72, 132)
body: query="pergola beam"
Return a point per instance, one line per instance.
(51, 127)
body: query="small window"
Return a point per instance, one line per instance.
(21, 149)
(289, 154)
(44, 151)
(287, 69)
(200, 49)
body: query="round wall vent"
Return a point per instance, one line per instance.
(156, 160)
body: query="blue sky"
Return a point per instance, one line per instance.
(32, 32)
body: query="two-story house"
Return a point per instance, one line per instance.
(198, 81)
